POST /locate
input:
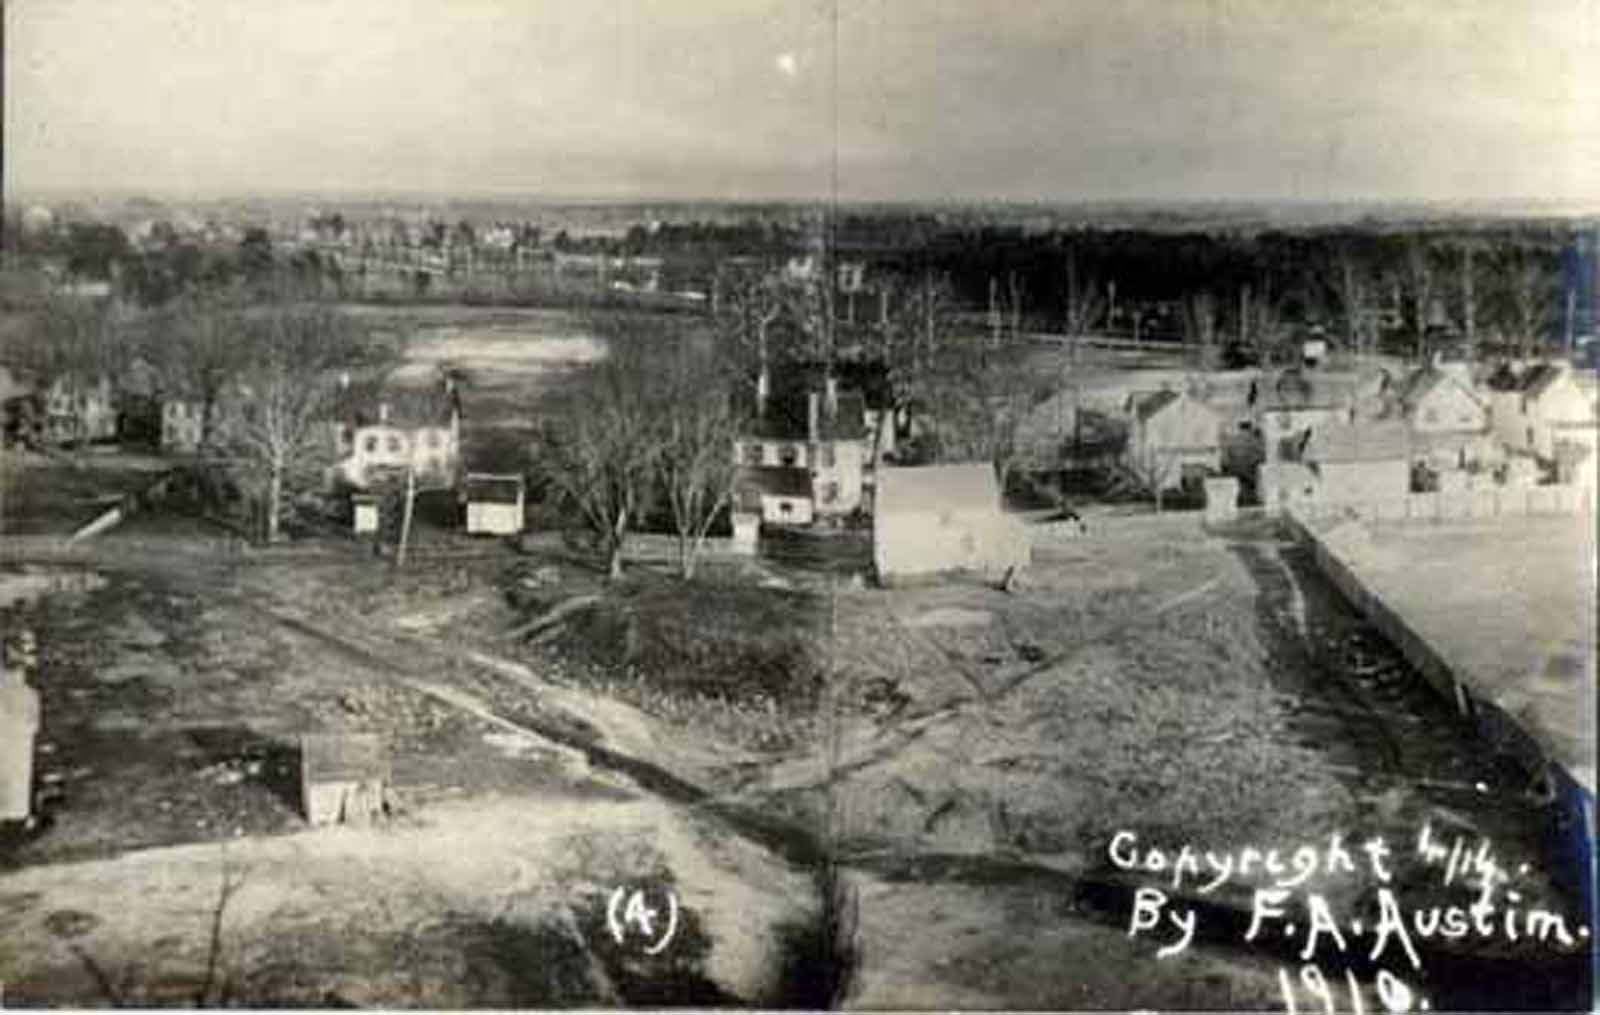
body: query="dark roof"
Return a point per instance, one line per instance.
(1148, 405)
(1504, 378)
(787, 418)
(1292, 389)
(1540, 379)
(773, 480)
(1358, 442)
(492, 489)
(360, 404)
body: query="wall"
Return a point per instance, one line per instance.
(1488, 503)
(908, 544)
(1574, 819)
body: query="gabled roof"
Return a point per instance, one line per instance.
(1504, 378)
(1540, 379)
(360, 404)
(1146, 406)
(1292, 390)
(1358, 442)
(964, 487)
(1427, 381)
(787, 419)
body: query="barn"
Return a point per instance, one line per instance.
(935, 519)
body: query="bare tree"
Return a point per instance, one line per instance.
(1420, 285)
(277, 443)
(914, 329)
(1352, 286)
(1200, 329)
(1529, 291)
(1085, 304)
(695, 462)
(1467, 291)
(201, 348)
(982, 392)
(749, 306)
(602, 442)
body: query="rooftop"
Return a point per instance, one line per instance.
(1358, 442)
(962, 487)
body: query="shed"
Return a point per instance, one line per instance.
(1360, 461)
(939, 518)
(364, 513)
(495, 503)
(344, 777)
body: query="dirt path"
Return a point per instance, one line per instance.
(516, 920)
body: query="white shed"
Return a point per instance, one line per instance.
(495, 504)
(939, 518)
(364, 508)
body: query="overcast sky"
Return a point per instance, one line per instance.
(741, 99)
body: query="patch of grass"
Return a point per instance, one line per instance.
(744, 645)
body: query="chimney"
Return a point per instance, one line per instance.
(813, 423)
(383, 412)
(344, 380)
(763, 392)
(831, 386)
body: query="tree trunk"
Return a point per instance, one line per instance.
(619, 534)
(274, 496)
(686, 557)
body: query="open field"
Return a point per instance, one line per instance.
(1150, 678)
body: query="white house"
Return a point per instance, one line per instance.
(79, 410)
(1533, 411)
(1170, 434)
(396, 429)
(818, 455)
(942, 518)
(1448, 422)
(1361, 462)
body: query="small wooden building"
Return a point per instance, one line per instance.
(495, 503)
(364, 513)
(344, 777)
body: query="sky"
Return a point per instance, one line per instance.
(941, 100)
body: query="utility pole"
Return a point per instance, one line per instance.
(405, 516)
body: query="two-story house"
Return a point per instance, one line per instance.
(1448, 422)
(1535, 410)
(803, 456)
(374, 429)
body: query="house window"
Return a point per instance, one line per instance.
(788, 455)
(753, 454)
(784, 507)
(830, 493)
(372, 445)
(394, 445)
(827, 456)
